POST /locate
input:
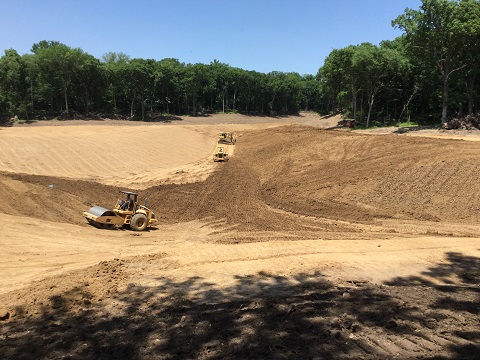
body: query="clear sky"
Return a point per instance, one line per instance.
(261, 35)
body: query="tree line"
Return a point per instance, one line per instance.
(431, 72)
(428, 73)
(56, 79)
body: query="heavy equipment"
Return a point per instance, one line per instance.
(227, 138)
(220, 154)
(126, 212)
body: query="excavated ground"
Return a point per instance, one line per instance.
(308, 243)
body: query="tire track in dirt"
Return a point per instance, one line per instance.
(220, 268)
(366, 170)
(373, 260)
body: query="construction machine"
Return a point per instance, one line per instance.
(127, 212)
(227, 138)
(220, 154)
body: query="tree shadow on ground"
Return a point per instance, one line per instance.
(342, 125)
(258, 317)
(164, 118)
(457, 283)
(405, 130)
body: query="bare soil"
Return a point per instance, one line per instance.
(313, 241)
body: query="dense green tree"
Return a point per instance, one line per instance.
(13, 85)
(166, 75)
(114, 70)
(223, 80)
(58, 65)
(365, 71)
(89, 80)
(309, 92)
(340, 78)
(437, 33)
(31, 74)
(139, 82)
(57, 78)
(376, 67)
(469, 22)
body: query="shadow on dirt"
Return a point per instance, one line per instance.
(458, 271)
(405, 130)
(164, 119)
(333, 114)
(259, 317)
(341, 125)
(5, 123)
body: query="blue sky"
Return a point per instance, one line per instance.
(261, 35)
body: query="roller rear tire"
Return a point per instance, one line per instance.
(139, 222)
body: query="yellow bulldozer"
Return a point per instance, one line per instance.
(227, 138)
(220, 155)
(127, 212)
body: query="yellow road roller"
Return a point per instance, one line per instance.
(127, 212)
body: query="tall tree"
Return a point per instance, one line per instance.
(166, 73)
(376, 67)
(435, 32)
(469, 22)
(89, 79)
(193, 82)
(114, 67)
(13, 86)
(340, 77)
(58, 63)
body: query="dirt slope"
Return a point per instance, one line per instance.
(282, 173)
(306, 244)
(124, 156)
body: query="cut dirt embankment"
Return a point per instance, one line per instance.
(133, 156)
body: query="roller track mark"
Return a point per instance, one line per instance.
(430, 189)
(58, 159)
(18, 159)
(365, 347)
(96, 155)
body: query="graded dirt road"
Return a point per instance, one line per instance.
(308, 243)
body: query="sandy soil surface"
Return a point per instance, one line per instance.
(313, 241)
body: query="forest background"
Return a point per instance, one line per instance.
(429, 74)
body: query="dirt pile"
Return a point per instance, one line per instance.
(467, 122)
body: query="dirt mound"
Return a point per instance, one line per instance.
(466, 123)
(358, 177)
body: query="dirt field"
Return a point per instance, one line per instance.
(312, 242)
